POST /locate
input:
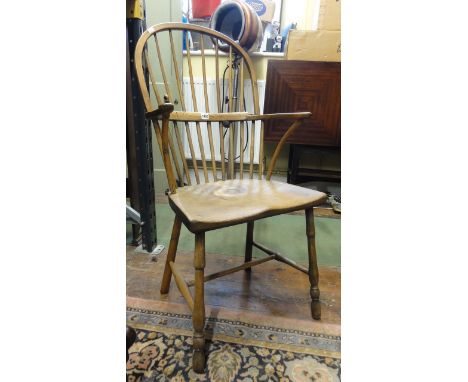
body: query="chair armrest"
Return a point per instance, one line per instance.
(267, 117)
(186, 116)
(165, 112)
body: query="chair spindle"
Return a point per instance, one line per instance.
(157, 128)
(182, 103)
(219, 103)
(176, 127)
(195, 109)
(207, 109)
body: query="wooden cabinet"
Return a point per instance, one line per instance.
(305, 86)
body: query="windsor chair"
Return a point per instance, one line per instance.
(217, 198)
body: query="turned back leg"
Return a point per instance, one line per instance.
(248, 243)
(198, 314)
(171, 254)
(313, 267)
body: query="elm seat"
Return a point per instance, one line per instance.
(220, 204)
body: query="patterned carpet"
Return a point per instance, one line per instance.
(237, 351)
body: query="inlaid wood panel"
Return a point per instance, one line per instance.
(305, 86)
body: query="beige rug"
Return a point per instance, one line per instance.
(241, 346)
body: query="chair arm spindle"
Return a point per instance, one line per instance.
(299, 118)
(163, 112)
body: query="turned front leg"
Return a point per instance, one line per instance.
(198, 315)
(313, 267)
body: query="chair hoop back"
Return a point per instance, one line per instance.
(200, 104)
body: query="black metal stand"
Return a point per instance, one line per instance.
(235, 106)
(139, 145)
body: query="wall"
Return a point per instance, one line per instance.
(302, 12)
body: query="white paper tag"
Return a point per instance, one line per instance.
(205, 115)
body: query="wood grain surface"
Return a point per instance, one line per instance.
(225, 203)
(293, 86)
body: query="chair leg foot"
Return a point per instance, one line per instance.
(171, 254)
(315, 307)
(198, 360)
(313, 267)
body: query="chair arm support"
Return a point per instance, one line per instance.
(280, 145)
(163, 113)
(299, 117)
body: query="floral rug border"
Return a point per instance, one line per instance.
(235, 331)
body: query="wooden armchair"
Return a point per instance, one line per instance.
(219, 199)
